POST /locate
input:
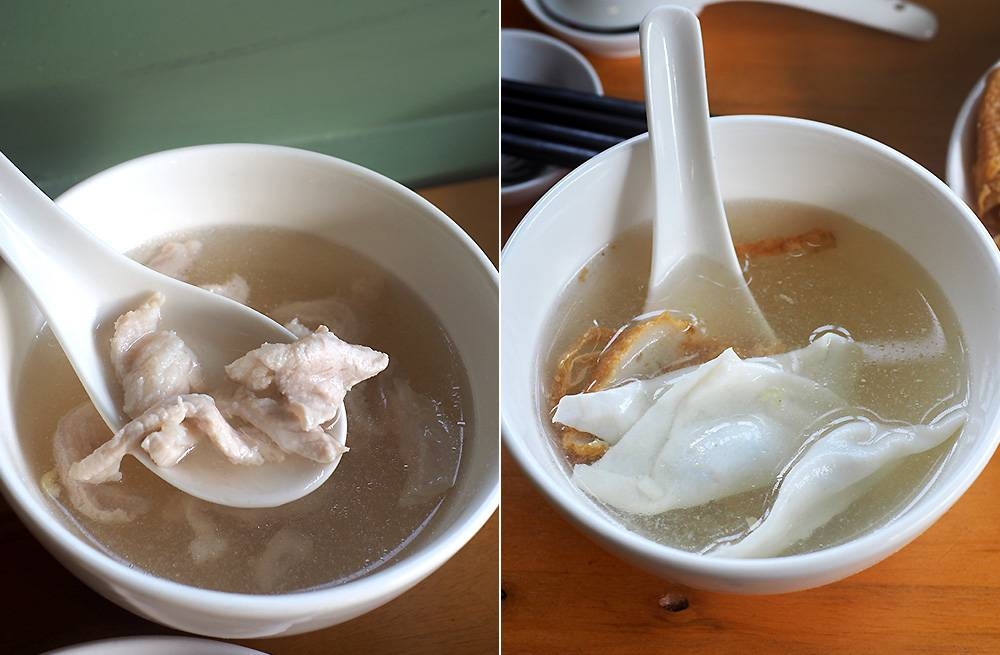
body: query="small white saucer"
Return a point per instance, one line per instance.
(617, 45)
(528, 56)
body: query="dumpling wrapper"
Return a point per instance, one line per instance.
(830, 360)
(727, 427)
(833, 473)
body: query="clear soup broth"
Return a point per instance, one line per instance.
(865, 287)
(402, 460)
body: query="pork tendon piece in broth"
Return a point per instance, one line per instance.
(234, 288)
(304, 384)
(175, 258)
(79, 433)
(151, 365)
(313, 374)
(186, 419)
(272, 418)
(332, 312)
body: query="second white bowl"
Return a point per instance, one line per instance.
(768, 158)
(538, 58)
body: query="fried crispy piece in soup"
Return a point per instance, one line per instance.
(603, 358)
(635, 351)
(807, 242)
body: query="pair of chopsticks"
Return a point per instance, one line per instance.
(563, 127)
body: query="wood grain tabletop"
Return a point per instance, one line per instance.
(941, 594)
(456, 610)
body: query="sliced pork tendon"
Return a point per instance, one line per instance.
(175, 258)
(164, 367)
(296, 327)
(170, 444)
(235, 288)
(274, 419)
(78, 433)
(331, 311)
(132, 326)
(285, 395)
(423, 445)
(192, 416)
(151, 365)
(208, 542)
(287, 549)
(313, 374)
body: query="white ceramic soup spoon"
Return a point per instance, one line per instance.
(694, 268)
(894, 16)
(81, 286)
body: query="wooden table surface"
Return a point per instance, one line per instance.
(456, 610)
(941, 594)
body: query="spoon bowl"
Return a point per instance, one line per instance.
(694, 267)
(82, 285)
(270, 484)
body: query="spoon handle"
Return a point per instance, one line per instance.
(681, 146)
(894, 16)
(694, 267)
(48, 250)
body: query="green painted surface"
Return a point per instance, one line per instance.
(406, 87)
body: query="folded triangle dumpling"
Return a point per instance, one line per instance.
(830, 360)
(834, 472)
(725, 427)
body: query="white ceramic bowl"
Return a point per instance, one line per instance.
(283, 187)
(962, 145)
(538, 58)
(155, 646)
(617, 45)
(757, 157)
(601, 15)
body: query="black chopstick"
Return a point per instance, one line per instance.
(557, 133)
(515, 90)
(563, 127)
(583, 119)
(548, 152)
